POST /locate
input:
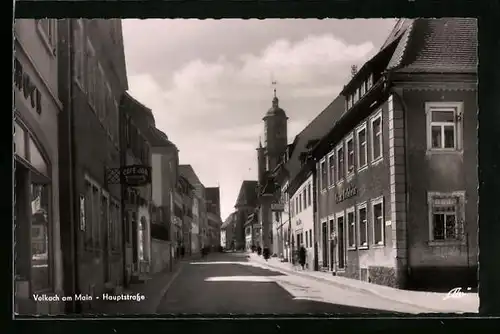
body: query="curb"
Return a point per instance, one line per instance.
(165, 288)
(364, 290)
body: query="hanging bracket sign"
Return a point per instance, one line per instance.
(135, 175)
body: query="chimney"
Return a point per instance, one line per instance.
(354, 70)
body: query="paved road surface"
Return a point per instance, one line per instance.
(226, 283)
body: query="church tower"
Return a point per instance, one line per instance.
(275, 134)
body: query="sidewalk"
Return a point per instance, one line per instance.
(153, 290)
(437, 302)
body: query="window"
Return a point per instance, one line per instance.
(297, 208)
(331, 174)
(309, 200)
(300, 202)
(91, 71)
(369, 82)
(362, 151)
(362, 226)
(376, 139)
(104, 219)
(351, 229)
(378, 221)
(352, 98)
(350, 155)
(304, 197)
(94, 214)
(356, 96)
(362, 89)
(444, 122)
(101, 94)
(310, 238)
(307, 240)
(323, 174)
(40, 235)
(78, 54)
(48, 30)
(446, 212)
(348, 102)
(340, 164)
(292, 208)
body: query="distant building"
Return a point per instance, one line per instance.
(228, 229)
(198, 208)
(213, 215)
(188, 238)
(397, 173)
(245, 205)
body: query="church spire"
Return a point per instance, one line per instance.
(275, 98)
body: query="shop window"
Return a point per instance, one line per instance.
(40, 235)
(362, 150)
(378, 221)
(362, 226)
(376, 137)
(446, 216)
(351, 229)
(444, 124)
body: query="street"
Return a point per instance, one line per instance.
(230, 283)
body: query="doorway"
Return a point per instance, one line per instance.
(341, 242)
(324, 248)
(331, 247)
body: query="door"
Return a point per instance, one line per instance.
(341, 242)
(324, 248)
(105, 221)
(331, 247)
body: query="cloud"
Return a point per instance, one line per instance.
(212, 107)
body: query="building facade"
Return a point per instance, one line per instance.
(397, 179)
(227, 232)
(188, 235)
(213, 216)
(245, 205)
(38, 258)
(92, 81)
(164, 178)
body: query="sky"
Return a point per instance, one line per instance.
(209, 82)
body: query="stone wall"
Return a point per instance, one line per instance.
(161, 257)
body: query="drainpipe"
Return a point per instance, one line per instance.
(71, 110)
(404, 107)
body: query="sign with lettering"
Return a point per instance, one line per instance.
(26, 87)
(346, 193)
(132, 176)
(278, 207)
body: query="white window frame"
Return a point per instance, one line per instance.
(337, 164)
(362, 89)
(340, 214)
(350, 172)
(362, 166)
(458, 110)
(49, 40)
(377, 115)
(351, 244)
(374, 202)
(323, 187)
(460, 214)
(79, 55)
(330, 177)
(360, 207)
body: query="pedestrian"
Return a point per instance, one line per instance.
(266, 253)
(182, 251)
(302, 256)
(259, 250)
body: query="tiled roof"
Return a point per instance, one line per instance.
(318, 128)
(248, 194)
(188, 172)
(445, 45)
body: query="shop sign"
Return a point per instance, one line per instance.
(26, 87)
(346, 193)
(132, 175)
(277, 207)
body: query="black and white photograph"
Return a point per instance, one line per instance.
(272, 167)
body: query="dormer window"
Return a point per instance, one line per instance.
(348, 102)
(356, 96)
(362, 89)
(369, 83)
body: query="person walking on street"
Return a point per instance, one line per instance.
(302, 256)
(182, 251)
